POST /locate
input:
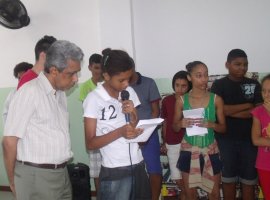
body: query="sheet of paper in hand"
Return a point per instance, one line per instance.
(148, 126)
(195, 130)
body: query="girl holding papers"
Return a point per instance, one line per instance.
(122, 174)
(201, 113)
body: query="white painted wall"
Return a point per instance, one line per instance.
(162, 36)
(115, 25)
(169, 34)
(76, 21)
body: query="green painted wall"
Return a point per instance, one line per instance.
(3, 94)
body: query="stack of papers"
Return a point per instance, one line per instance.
(148, 126)
(193, 114)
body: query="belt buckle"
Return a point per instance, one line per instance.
(55, 166)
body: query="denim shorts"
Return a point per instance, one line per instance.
(151, 154)
(238, 159)
(185, 158)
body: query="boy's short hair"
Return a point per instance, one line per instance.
(43, 45)
(95, 58)
(236, 53)
(21, 67)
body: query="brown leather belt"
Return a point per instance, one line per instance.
(44, 166)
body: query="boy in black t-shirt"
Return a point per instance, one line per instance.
(240, 95)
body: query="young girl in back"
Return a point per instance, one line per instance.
(106, 129)
(199, 160)
(171, 139)
(261, 137)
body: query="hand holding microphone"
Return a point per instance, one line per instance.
(126, 105)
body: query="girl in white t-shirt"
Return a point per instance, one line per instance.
(107, 129)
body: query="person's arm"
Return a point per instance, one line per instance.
(128, 108)
(238, 110)
(178, 120)
(163, 148)
(95, 142)
(266, 104)
(178, 107)
(164, 113)
(220, 124)
(163, 131)
(20, 113)
(243, 114)
(258, 100)
(256, 136)
(155, 109)
(9, 144)
(154, 98)
(127, 131)
(230, 110)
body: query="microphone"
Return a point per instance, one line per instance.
(125, 96)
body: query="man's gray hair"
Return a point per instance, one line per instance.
(60, 52)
